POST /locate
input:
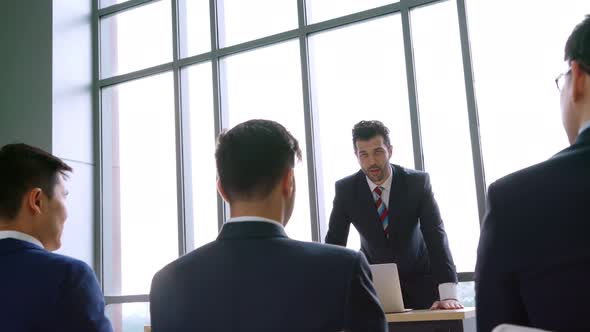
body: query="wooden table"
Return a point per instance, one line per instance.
(461, 320)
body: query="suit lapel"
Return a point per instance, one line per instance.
(396, 204)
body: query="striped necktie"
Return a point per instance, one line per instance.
(381, 209)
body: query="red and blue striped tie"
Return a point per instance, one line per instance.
(381, 209)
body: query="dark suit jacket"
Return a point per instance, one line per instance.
(417, 241)
(254, 278)
(42, 291)
(533, 265)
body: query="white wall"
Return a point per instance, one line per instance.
(46, 98)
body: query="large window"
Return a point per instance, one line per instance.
(349, 84)
(171, 74)
(200, 177)
(445, 126)
(143, 177)
(241, 21)
(276, 95)
(136, 39)
(517, 54)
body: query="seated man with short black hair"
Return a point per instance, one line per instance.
(253, 277)
(533, 259)
(40, 290)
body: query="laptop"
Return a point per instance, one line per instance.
(389, 291)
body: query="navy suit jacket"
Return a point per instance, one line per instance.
(43, 291)
(254, 278)
(417, 243)
(533, 265)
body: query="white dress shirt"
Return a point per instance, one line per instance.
(584, 126)
(20, 236)
(253, 218)
(447, 290)
(386, 188)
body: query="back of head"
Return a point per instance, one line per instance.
(577, 47)
(365, 130)
(574, 85)
(23, 167)
(252, 157)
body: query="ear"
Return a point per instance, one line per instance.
(390, 150)
(34, 200)
(288, 182)
(578, 81)
(221, 191)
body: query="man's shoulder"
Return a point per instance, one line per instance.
(408, 172)
(326, 250)
(302, 254)
(53, 261)
(350, 179)
(73, 266)
(190, 259)
(62, 259)
(303, 247)
(67, 269)
(540, 189)
(540, 174)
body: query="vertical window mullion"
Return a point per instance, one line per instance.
(218, 111)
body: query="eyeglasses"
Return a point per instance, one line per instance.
(560, 80)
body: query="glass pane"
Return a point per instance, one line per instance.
(197, 89)
(357, 73)
(466, 292)
(136, 39)
(129, 317)
(141, 236)
(266, 84)
(106, 3)
(322, 10)
(445, 126)
(241, 21)
(195, 32)
(518, 102)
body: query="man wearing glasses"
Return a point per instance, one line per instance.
(533, 265)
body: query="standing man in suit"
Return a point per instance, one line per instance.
(398, 221)
(533, 265)
(253, 277)
(40, 290)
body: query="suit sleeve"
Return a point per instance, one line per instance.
(435, 237)
(82, 304)
(364, 312)
(497, 299)
(339, 224)
(163, 318)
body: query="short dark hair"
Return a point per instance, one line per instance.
(23, 167)
(577, 47)
(365, 130)
(253, 156)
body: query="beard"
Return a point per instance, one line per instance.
(376, 174)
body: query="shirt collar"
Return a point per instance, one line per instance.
(20, 236)
(386, 185)
(584, 126)
(253, 218)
